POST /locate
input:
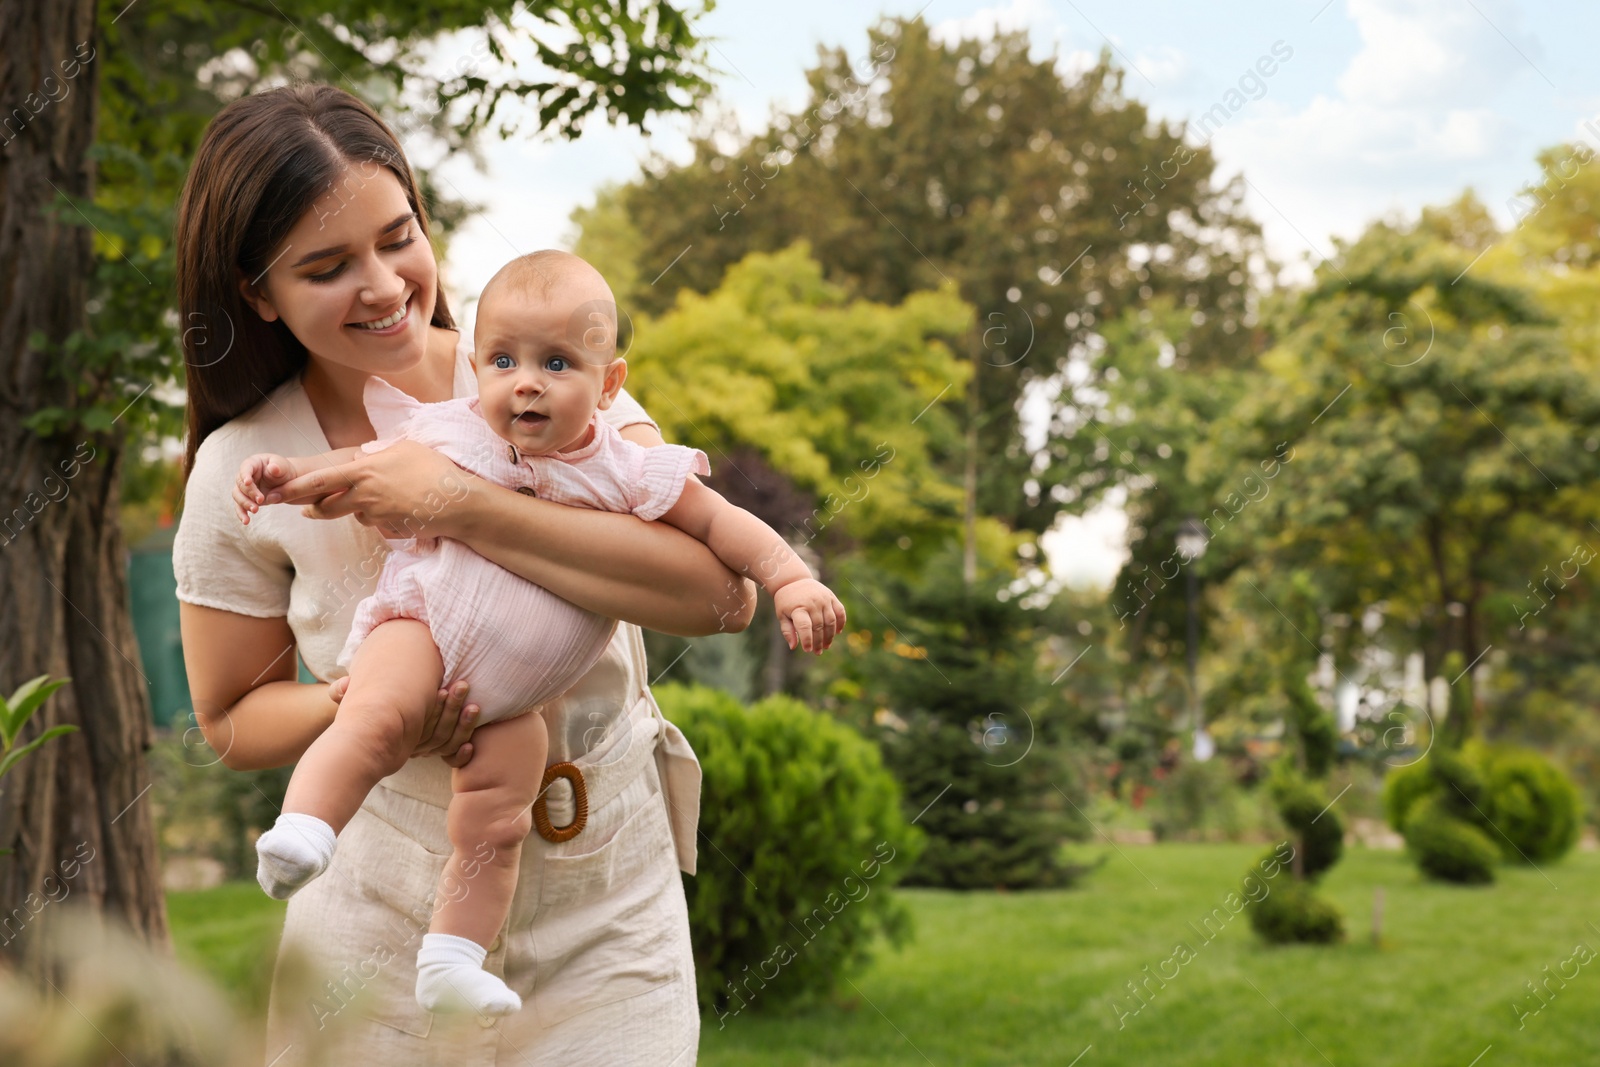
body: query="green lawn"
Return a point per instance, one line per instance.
(231, 933)
(1035, 978)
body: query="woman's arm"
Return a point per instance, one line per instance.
(242, 685)
(615, 565)
(253, 712)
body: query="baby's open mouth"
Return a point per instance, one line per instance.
(531, 419)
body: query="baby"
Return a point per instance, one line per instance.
(545, 359)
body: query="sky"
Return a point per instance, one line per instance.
(1381, 107)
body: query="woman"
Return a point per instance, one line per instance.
(304, 266)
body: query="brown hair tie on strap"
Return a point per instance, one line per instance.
(580, 798)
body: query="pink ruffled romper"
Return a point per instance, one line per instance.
(517, 643)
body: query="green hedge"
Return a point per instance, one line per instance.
(803, 838)
(1292, 913)
(1449, 848)
(1535, 808)
(1402, 788)
(1518, 799)
(1305, 809)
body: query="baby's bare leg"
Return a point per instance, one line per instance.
(490, 817)
(394, 678)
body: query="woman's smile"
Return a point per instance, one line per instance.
(389, 325)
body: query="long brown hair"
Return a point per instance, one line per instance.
(263, 161)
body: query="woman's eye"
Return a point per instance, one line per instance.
(330, 275)
(557, 363)
(502, 362)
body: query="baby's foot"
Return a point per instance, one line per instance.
(450, 977)
(296, 850)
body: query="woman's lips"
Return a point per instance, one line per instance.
(387, 331)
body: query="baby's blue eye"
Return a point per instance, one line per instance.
(502, 362)
(557, 363)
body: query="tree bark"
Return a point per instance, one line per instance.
(75, 813)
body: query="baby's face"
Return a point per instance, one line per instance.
(545, 365)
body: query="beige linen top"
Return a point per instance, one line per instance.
(314, 571)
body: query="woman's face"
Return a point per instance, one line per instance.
(355, 260)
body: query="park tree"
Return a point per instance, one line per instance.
(817, 412)
(1437, 424)
(1053, 204)
(106, 102)
(833, 393)
(957, 674)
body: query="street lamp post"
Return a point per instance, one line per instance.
(1192, 540)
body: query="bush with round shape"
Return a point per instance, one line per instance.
(1292, 912)
(1317, 827)
(1402, 788)
(1462, 790)
(804, 837)
(1449, 848)
(1534, 806)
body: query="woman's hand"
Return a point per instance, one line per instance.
(404, 490)
(445, 729)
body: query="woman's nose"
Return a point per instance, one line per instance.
(383, 286)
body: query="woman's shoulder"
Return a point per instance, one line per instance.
(273, 425)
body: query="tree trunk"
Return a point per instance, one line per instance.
(74, 814)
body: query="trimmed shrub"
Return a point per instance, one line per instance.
(1534, 807)
(1462, 791)
(1520, 800)
(803, 837)
(1293, 913)
(1317, 827)
(1448, 848)
(1402, 788)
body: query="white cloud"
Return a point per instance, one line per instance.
(1434, 53)
(1414, 110)
(1164, 66)
(1032, 15)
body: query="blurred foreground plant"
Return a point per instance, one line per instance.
(15, 713)
(110, 998)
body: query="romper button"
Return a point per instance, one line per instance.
(486, 1021)
(513, 451)
(494, 946)
(526, 490)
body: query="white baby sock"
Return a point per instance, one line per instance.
(450, 976)
(296, 850)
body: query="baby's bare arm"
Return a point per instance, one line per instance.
(751, 547)
(742, 541)
(261, 475)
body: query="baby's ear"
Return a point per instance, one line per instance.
(616, 374)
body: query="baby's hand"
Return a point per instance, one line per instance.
(809, 613)
(258, 476)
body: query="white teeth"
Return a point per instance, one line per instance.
(383, 324)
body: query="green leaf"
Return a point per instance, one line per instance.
(12, 757)
(23, 703)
